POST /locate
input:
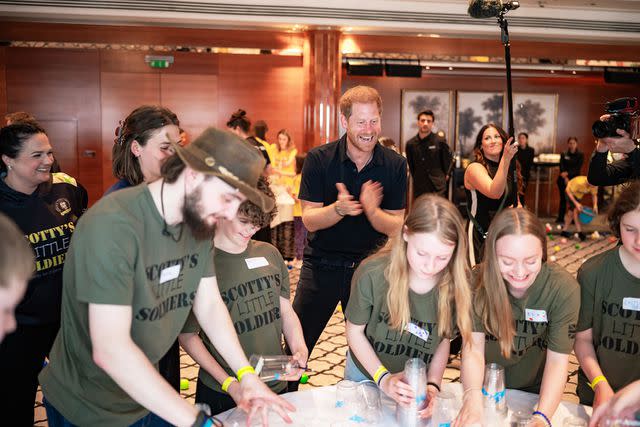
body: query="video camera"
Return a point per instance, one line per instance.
(622, 114)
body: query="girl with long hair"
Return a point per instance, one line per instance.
(408, 300)
(525, 314)
(608, 342)
(488, 183)
(284, 161)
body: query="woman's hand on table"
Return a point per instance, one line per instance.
(301, 358)
(471, 411)
(603, 393)
(624, 403)
(537, 422)
(432, 392)
(396, 389)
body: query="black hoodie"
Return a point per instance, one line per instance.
(47, 218)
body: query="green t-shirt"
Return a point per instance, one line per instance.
(119, 256)
(368, 306)
(554, 295)
(606, 289)
(251, 284)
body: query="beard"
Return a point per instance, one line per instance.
(200, 230)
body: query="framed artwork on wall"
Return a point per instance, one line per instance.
(537, 115)
(474, 110)
(415, 101)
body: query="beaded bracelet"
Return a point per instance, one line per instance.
(543, 416)
(381, 378)
(436, 386)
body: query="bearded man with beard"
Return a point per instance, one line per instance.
(139, 264)
(353, 194)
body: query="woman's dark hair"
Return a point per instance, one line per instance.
(240, 119)
(13, 137)
(627, 201)
(139, 126)
(479, 155)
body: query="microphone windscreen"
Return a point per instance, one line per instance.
(484, 8)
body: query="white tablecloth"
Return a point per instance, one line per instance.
(316, 408)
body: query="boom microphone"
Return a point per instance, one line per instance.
(490, 8)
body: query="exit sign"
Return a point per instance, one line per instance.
(158, 61)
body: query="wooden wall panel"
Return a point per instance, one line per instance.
(3, 83)
(122, 93)
(63, 136)
(268, 88)
(193, 97)
(133, 62)
(60, 87)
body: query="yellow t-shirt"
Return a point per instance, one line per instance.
(285, 163)
(579, 187)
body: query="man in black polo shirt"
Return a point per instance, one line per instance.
(429, 158)
(353, 194)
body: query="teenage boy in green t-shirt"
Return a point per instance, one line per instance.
(133, 275)
(254, 284)
(608, 339)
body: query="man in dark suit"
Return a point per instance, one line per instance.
(429, 158)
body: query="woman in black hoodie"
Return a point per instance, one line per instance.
(46, 207)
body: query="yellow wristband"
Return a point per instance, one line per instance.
(381, 370)
(243, 371)
(596, 380)
(227, 383)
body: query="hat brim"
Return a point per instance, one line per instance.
(254, 195)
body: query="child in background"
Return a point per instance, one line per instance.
(576, 190)
(300, 231)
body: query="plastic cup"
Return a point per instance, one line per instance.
(493, 388)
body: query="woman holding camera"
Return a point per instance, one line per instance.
(488, 183)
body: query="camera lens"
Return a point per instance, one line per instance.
(600, 129)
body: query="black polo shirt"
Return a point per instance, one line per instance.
(353, 237)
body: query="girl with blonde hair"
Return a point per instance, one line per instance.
(409, 300)
(525, 314)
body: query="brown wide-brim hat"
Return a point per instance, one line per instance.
(230, 158)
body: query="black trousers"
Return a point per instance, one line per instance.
(22, 355)
(562, 207)
(321, 286)
(169, 366)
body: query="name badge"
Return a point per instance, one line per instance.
(535, 315)
(631, 303)
(416, 330)
(256, 262)
(170, 273)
